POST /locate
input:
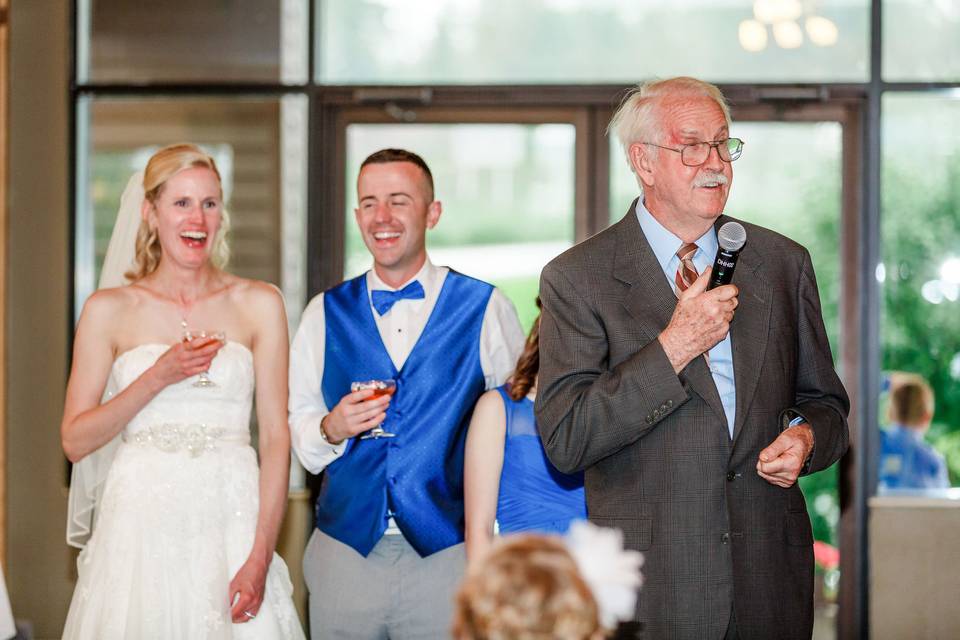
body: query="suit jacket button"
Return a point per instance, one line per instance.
(725, 538)
(731, 476)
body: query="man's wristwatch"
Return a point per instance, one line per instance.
(323, 434)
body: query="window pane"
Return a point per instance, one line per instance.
(920, 40)
(789, 180)
(591, 41)
(193, 40)
(507, 194)
(260, 149)
(920, 272)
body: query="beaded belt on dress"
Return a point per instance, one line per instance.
(195, 439)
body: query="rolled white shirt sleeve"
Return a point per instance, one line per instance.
(306, 406)
(501, 340)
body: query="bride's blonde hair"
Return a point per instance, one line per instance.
(162, 166)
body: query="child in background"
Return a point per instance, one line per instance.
(540, 587)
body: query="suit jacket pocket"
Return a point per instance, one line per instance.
(798, 530)
(637, 532)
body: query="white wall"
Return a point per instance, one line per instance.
(915, 568)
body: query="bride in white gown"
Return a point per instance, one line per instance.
(185, 524)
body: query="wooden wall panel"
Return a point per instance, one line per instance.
(4, 28)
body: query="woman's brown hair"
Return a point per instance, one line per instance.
(162, 166)
(524, 376)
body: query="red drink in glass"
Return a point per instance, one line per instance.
(380, 388)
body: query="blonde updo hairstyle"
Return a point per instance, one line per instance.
(527, 588)
(162, 166)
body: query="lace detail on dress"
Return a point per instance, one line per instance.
(195, 439)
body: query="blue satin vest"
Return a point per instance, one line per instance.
(417, 475)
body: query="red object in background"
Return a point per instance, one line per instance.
(826, 555)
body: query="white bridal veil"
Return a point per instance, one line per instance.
(86, 482)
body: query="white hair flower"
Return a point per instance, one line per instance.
(611, 572)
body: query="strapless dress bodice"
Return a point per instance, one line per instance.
(225, 407)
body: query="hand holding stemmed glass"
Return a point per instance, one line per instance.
(380, 388)
(359, 411)
(196, 339)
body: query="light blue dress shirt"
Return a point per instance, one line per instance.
(665, 246)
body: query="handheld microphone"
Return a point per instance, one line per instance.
(731, 237)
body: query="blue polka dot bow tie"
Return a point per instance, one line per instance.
(383, 300)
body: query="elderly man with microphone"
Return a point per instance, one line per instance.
(692, 395)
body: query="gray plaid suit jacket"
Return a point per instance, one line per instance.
(659, 461)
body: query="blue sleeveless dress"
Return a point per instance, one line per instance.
(534, 496)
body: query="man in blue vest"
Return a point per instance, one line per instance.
(387, 552)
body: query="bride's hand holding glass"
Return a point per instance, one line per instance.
(186, 359)
(199, 339)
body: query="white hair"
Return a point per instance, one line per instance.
(637, 119)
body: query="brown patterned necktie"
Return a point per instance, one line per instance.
(686, 270)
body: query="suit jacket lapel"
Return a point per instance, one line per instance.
(749, 329)
(651, 300)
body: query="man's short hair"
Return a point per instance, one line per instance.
(638, 118)
(401, 155)
(911, 400)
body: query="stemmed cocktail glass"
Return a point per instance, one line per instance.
(380, 388)
(203, 380)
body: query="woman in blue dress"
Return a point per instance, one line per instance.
(508, 480)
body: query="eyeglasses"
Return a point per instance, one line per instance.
(695, 154)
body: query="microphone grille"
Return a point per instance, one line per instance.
(732, 236)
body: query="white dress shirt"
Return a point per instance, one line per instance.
(501, 341)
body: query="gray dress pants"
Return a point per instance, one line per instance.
(392, 593)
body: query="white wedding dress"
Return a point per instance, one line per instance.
(178, 516)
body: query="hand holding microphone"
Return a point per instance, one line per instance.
(702, 317)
